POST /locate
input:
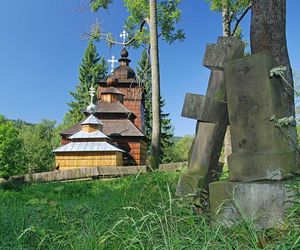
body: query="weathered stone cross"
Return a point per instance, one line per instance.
(124, 35)
(210, 111)
(242, 91)
(112, 61)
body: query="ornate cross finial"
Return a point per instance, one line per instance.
(92, 92)
(91, 108)
(124, 35)
(112, 61)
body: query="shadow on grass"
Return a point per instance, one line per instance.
(13, 185)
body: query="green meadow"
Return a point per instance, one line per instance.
(136, 212)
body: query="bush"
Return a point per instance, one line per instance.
(12, 157)
(38, 145)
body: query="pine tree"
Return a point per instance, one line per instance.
(144, 78)
(92, 69)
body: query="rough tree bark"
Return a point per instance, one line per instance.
(226, 25)
(226, 20)
(156, 127)
(268, 34)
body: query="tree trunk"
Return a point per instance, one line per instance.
(268, 22)
(226, 18)
(267, 34)
(226, 22)
(156, 126)
(227, 146)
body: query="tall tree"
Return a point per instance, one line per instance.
(164, 15)
(144, 78)
(155, 77)
(92, 69)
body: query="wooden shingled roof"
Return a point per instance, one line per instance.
(111, 90)
(111, 128)
(112, 107)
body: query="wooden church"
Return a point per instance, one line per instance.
(120, 110)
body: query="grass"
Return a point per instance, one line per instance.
(136, 212)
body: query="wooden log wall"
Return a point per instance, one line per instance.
(88, 159)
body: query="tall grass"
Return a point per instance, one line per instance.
(137, 212)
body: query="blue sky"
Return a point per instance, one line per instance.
(41, 47)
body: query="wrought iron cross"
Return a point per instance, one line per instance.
(112, 61)
(124, 35)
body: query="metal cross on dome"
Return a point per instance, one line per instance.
(92, 107)
(124, 35)
(92, 92)
(112, 61)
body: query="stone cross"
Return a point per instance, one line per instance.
(112, 61)
(124, 35)
(211, 113)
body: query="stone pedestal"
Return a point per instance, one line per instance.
(263, 202)
(260, 150)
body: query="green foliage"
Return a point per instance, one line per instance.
(144, 78)
(97, 4)
(236, 7)
(232, 11)
(168, 13)
(2, 118)
(12, 158)
(182, 148)
(136, 212)
(92, 69)
(39, 141)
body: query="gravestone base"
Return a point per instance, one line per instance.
(262, 166)
(263, 202)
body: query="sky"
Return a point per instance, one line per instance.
(41, 47)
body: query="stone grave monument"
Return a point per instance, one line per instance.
(240, 93)
(210, 111)
(262, 161)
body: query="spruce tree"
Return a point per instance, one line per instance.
(92, 69)
(144, 78)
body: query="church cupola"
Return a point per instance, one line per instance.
(91, 124)
(124, 61)
(112, 95)
(124, 71)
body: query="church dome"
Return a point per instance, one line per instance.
(124, 71)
